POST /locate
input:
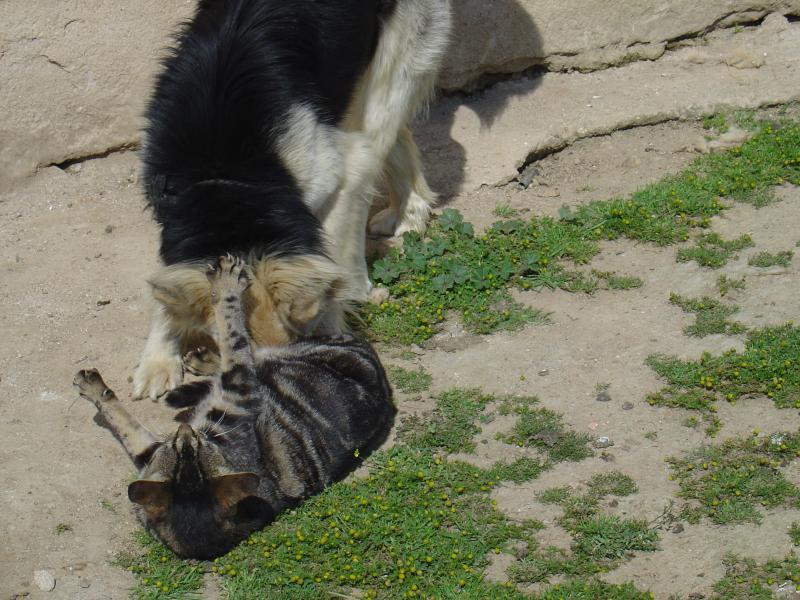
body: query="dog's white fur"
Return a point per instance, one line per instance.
(338, 168)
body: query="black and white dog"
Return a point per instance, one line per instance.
(269, 128)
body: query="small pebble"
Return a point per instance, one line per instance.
(627, 406)
(84, 584)
(608, 457)
(678, 528)
(603, 396)
(103, 302)
(130, 378)
(109, 228)
(544, 372)
(603, 442)
(44, 580)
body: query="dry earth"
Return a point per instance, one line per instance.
(76, 247)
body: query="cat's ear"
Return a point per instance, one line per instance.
(232, 488)
(153, 496)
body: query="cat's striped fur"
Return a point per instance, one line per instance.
(275, 426)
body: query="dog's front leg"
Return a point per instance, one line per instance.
(344, 218)
(134, 437)
(160, 369)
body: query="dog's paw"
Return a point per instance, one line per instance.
(384, 223)
(201, 361)
(229, 276)
(378, 295)
(91, 385)
(155, 376)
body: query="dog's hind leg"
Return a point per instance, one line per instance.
(410, 198)
(399, 80)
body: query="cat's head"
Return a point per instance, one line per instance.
(193, 501)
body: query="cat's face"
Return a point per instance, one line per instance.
(191, 499)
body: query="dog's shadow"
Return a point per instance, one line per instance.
(443, 157)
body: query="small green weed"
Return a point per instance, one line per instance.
(767, 365)
(613, 483)
(454, 270)
(711, 316)
(731, 480)
(794, 533)
(765, 259)
(725, 284)
(108, 505)
(651, 435)
(717, 122)
(713, 251)
(62, 528)
(409, 382)
(554, 495)
(614, 281)
(161, 573)
(745, 579)
(690, 422)
(505, 211)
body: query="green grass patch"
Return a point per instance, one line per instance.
(794, 533)
(452, 424)
(607, 537)
(730, 482)
(711, 316)
(710, 250)
(544, 429)
(766, 259)
(725, 284)
(453, 270)
(161, 574)
(767, 366)
(408, 381)
(745, 579)
(600, 542)
(416, 526)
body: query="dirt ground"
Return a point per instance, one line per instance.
(76, 248)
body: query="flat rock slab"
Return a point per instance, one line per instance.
(486, 139)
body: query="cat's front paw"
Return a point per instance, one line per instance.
(229, 277)
(91, 386)
(201, 361)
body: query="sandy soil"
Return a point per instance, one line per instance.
(76, 247)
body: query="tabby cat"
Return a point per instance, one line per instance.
(273, 427)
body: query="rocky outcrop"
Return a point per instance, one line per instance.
(75, 76)
(508, 36)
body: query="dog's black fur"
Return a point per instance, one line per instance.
(211, 172)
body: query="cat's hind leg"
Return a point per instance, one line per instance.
(134, 437)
